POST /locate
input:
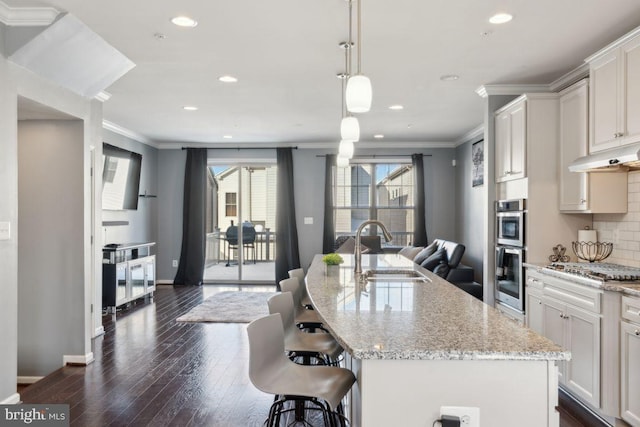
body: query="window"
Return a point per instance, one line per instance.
(231, 204)
(382, 191)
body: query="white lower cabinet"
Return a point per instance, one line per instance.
(570, 316)
(630, 361)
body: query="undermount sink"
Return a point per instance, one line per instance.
(394, 276)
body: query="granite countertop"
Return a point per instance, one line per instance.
(416, 320)
(626, 288)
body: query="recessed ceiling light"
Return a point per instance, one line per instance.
(160, 36)
(184, 21)
(227, 79)
(227, 136)
(449, 77)
(190, 108)
(500, 18)
(378, 136)
(396, 107)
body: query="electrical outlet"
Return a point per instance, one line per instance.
(469, 416)
(175, 263)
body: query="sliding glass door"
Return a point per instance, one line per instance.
(241, 219)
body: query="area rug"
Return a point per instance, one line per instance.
(230, 307)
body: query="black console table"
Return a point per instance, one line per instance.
(128, 273)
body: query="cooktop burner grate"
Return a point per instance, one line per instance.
(600, 271)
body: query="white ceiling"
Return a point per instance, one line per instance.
(285, 54)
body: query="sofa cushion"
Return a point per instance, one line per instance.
(454, 251)
(442, 269)
(436, 258)
(425, 253)
(410, 251)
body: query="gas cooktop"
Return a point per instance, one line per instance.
(598, 271)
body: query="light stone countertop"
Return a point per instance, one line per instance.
(626, 288)
(431, 320)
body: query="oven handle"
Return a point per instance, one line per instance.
(509, 214)
(512, 251)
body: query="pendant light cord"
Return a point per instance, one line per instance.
(359, 11)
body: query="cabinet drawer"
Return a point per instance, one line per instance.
(535, 281)
(581, 296)
(631, 309)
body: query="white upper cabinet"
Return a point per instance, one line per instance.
(615, 94)
(574, 125)
(511, 131)
(597, 192)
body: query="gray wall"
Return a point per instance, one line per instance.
(143, 222)
(50, 244)
(170, 194)
(470, 210)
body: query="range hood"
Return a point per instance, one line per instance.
(611, 159)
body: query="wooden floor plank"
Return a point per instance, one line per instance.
(150, 370)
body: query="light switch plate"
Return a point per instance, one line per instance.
(308, 220)
(5, 230)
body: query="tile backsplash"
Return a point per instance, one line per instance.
(623, 230)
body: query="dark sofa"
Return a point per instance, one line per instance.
(445, 251)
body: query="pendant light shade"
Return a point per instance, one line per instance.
(359, 94)
(346, 149)
(350, 129)
(342, 162)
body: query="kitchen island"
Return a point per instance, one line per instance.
(416, 344)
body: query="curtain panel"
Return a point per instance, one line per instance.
(192, 254)
(287, 252)
(329, 233)
(419, 215)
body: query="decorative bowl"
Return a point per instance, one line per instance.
(592, 251)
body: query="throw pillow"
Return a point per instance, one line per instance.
(442, 269)
(435, 259)
(410, 251)
(425, 253)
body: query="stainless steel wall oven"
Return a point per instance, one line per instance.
(510, 252)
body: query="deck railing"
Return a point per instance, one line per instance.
(218, 249)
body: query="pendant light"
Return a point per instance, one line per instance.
(349, 125)
(359, 92)
(346, 149)
(342, 162)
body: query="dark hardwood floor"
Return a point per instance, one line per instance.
(153, 371)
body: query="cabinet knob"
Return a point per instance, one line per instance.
(561, 316)
(583, 201)
(539, 302)
(637, 332)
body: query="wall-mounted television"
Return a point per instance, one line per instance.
(120, 178)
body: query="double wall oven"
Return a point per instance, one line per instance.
(510, 251)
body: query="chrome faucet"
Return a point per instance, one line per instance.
(358, 251)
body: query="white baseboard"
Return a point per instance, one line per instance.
(28, 380)
(164, 282)
(11, 400)
(99, 331)
(77, 360)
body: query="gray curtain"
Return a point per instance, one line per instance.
(328, 237)
(287, 253)
(192, 254)
(419, 217)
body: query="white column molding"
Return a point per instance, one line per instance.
(27, 16)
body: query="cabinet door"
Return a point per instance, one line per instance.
(518, 141)
(574, 125)
(150, 276)
(503, 146)
(136, 277)
(582, 374)
(535, 312)
(630, 373)
(605, 107)
(122, 283)
(630, 58)
(554, 327)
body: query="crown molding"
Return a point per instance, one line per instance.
(608, 48)
(27, 16)
(570, 78)
(103, 96)
(510, 89)
(128, 133)
(307, 145)
(474, 133)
